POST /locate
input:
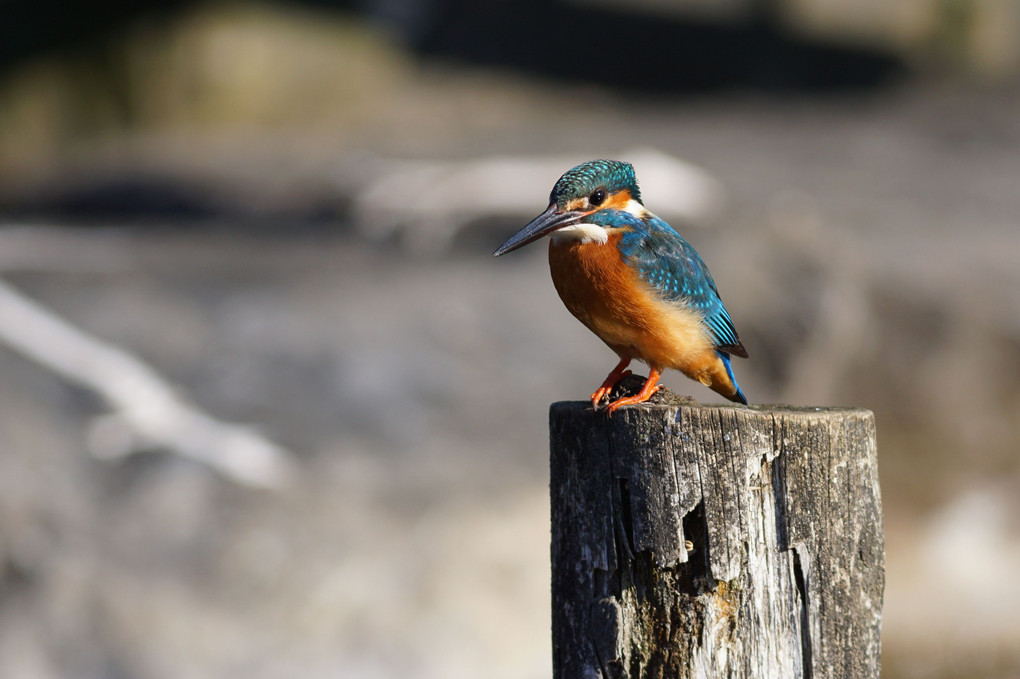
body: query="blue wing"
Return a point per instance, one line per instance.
(670, 265)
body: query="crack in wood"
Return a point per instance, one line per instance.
(800, 578)
(625, 521)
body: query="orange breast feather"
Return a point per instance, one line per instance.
(624, 312)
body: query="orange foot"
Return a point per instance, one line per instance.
(651, 386)
(619, 372)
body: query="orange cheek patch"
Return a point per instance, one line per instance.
(577, 204)
(618, 200)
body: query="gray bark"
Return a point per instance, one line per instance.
(715, 541)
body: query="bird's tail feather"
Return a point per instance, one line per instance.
(738, 395)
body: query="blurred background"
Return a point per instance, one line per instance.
(250, 243)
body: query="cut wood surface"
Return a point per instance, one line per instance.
(715, 541)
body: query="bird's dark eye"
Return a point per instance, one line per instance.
(597, 197)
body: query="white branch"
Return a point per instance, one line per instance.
(148, 413)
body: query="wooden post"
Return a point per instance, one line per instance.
(715, 541)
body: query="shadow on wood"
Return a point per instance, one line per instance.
(715, 541)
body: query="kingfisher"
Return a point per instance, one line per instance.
(631, 279)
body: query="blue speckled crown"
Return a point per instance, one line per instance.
(614, 175)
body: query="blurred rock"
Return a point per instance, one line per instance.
(425, 203)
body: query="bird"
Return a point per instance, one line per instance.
(632, 280)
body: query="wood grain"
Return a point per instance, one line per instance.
(715, 541)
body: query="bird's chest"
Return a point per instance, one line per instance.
(597, 287)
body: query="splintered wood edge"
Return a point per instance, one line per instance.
(763, 408)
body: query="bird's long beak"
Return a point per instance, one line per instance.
(545, 223)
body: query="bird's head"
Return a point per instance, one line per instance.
(590, 188)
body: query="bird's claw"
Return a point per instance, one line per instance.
(631, 400)
(607, 387)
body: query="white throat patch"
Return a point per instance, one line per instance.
(586, 233)
(635, 208)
